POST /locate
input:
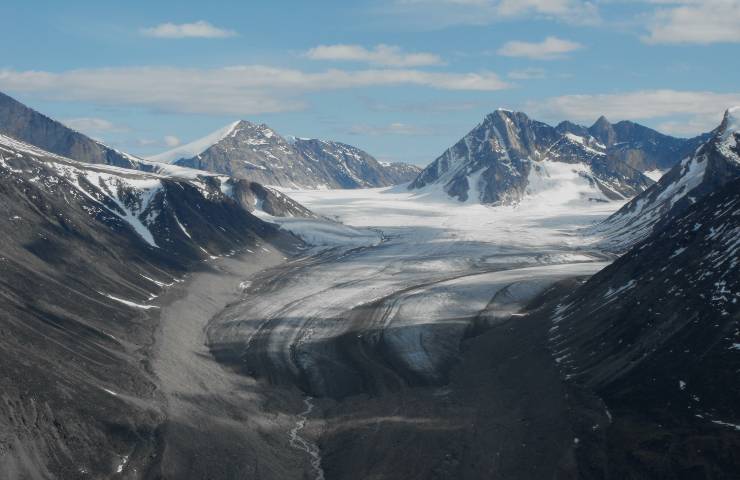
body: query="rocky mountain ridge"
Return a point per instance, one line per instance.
(708, 168)
(256, 152)
(501, 159)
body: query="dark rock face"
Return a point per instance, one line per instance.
(710, 166)
(28, 125)
(401, 172)
(85, 248)
(254, 196)
(603, 131)
(351, 167)
(656, 335)
(257, 153)
(640, 147)
(496, 158)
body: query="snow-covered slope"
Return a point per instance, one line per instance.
(196, 147)
(497, 160)
(709, 167)
(256, 152)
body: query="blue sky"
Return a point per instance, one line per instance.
(402, 79)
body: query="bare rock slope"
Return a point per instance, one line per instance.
(258, 153)
(86, 250)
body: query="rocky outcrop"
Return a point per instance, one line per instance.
(254, 196)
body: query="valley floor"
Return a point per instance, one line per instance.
(401, 348)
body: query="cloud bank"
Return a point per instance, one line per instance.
(384, 55)
(199, 29)
(551, 48)
(699, 111)
(235, 90)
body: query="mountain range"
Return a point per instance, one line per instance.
(241, 149)
(505, 157)
(707, 168)
(256, 152)
(648, 347)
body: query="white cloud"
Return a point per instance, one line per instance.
(688, 127)
(697, 111)
(695, 22)
(391, 129)
(556, 8)
(199, 29)
(483, 12)
(422, 107)
(527, 74)
(171, 141)
(92, 125)
(550, 48)
(238, 90)
(385, 55)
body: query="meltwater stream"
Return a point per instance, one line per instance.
(301, 443)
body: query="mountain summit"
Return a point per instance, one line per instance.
(256, 152)
(509, 156)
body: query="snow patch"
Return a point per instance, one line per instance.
(727, 424)
(182, 227)
(558, 183)
(655, 174)
(614, 292)
(196, 147)
(128, 303)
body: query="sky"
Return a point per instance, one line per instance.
(401, 79)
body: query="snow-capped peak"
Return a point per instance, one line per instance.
(729, 133)
(196, 147)
(732, 121)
